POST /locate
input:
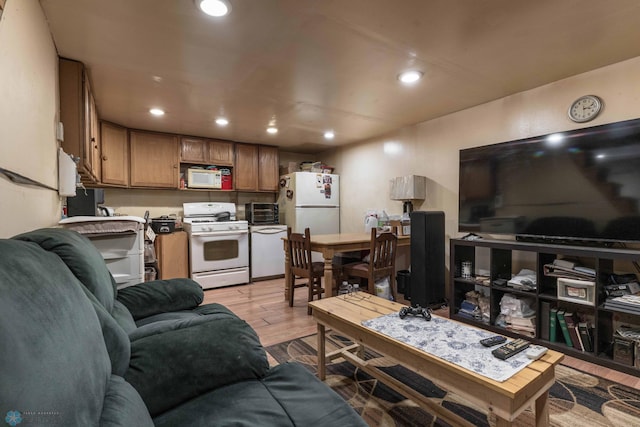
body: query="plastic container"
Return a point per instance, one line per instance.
(383, 289)
(227, 179)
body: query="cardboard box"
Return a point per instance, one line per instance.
(623, 351)
(404, 228)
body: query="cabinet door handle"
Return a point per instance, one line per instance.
(104, 158)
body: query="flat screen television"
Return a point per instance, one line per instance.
(579, 185)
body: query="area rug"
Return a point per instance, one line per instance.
(576, 398)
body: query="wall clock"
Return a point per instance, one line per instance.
(585, 108)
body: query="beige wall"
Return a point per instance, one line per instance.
(28, 114)
(431, 148)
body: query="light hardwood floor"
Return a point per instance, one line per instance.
(262, 305)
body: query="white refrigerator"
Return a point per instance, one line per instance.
(309, 199)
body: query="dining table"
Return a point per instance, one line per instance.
(331, 244)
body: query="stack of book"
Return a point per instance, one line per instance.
(626, 304)
(567, 326)
(470, 310)
(569, 269)
(522, 325)
(518, 314)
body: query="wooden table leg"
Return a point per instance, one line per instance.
(322, 371)
(542, 410)
(328, 272)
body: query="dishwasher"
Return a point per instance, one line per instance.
(267, 251)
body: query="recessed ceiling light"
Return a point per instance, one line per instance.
(157, 112)
(214, 7)
(272, 130)
(329, 134)
(410, 76)
(221, 121)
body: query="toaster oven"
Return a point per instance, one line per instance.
(261, 213)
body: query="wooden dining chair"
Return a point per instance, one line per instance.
(301, 265)
(382, 262)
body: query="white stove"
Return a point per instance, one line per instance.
(218, 244)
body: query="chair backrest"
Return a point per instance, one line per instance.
(299, 247)
(382, 258)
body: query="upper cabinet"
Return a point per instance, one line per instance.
(115, 154)
(268, 168)
(206, 151)
(256, 168)
(154, 159)
(79, 117)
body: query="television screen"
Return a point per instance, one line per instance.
(577, 185)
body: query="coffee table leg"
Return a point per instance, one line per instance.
(542, 410)
(321, 353)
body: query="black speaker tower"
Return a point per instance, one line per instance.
(427, 259)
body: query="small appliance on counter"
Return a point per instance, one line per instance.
(163, 224)
(261, 213)
(85, 202)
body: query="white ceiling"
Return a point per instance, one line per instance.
(313, 65)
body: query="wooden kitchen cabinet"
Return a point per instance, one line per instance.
(268, 168)
(246, 167)
(172, 254)
(154, 159)
(115, 154)
(79, 116)
(256, 168)
(206, 151)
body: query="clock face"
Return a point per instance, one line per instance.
(585, 108)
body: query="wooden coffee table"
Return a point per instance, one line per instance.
(345, 314)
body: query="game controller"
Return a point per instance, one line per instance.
(415, 311)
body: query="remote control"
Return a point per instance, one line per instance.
(494, 340)
(535, 352)
(510, 349)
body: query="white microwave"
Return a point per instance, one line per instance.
(204, 178)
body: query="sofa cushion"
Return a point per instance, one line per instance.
(203, 310)
(82, 258)
(172, 367)
(159, 296)
(52, 357)
(123, 406)
(177, 320)
(288, 396)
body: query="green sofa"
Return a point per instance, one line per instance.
(76, 351)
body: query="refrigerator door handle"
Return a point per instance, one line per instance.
(318, 206)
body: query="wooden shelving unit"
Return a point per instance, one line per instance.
(504, 258)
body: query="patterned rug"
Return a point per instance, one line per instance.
(576, 399)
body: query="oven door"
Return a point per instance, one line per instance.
(218, 250)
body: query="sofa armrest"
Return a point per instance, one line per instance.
(178, 365)
(160, 296)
